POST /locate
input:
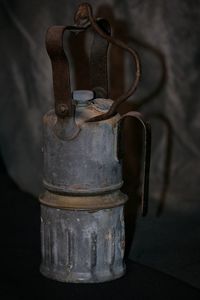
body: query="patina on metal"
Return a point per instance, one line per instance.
(81, 202)
(82, 210)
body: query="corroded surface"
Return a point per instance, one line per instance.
(82, 246)
(109, 200)
(87, 163)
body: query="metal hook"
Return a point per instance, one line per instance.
(83, 16)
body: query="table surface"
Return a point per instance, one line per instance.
(20, 260)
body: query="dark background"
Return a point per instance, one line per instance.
(20, 254)
(166, 35)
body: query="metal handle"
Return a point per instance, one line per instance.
(83, 16)
(60, 70)
(60, 65)
(147, 155)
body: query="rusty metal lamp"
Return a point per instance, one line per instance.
(82, 210)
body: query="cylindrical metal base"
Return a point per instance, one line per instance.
(82, 246)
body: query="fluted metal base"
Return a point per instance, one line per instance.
(82, 246)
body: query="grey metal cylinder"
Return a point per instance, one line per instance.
(82, 210)
(87, 163)
(82, 246)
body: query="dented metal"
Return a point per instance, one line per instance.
(87, 162)
(81, 202)
(82, 210)
(82, 246)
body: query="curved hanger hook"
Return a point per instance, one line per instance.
(84, 15)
